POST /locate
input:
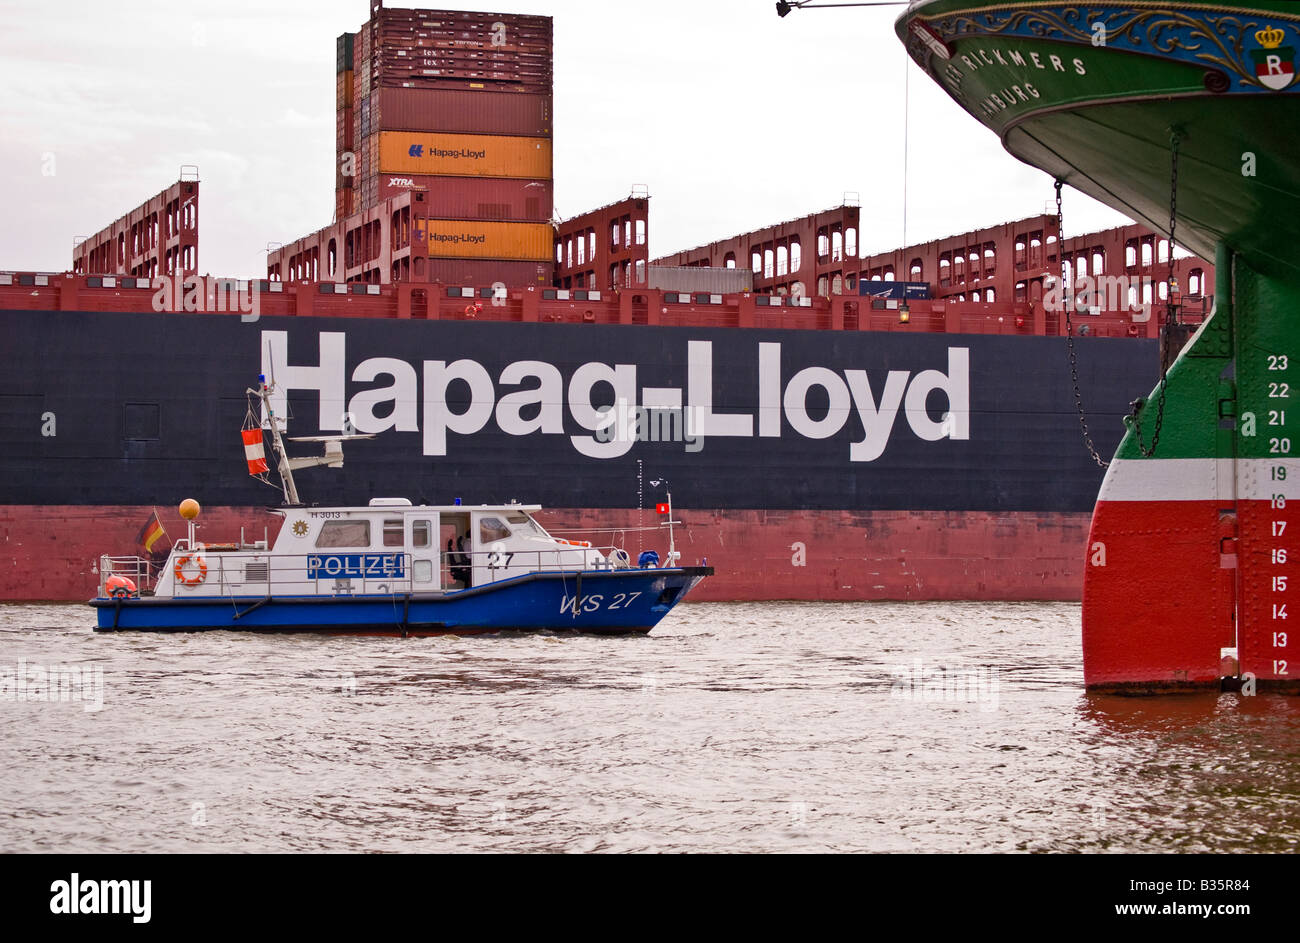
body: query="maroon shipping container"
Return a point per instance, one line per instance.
(470, 111)
(513, 200)
(482, 273)
(463, 59)
(447, 21)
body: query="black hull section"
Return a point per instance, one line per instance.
(145, 409)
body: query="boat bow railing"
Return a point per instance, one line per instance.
(139, 570)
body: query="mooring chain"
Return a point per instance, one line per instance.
(1171, 310)
(1067, 303)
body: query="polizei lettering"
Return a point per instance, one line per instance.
(354, 564)
(605, 403)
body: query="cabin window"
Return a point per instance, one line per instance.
(394, 534)
(422, 571)
(491, 529)
(344, 534)
(420, 531)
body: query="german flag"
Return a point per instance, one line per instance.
(151, 533)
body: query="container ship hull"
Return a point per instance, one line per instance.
(1180, 115)
(803, 464)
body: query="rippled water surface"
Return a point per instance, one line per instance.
(742, 727)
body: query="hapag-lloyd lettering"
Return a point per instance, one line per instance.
(458, 238)
(530, 397)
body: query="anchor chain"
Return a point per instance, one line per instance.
(1067, 302)
(1171, 310)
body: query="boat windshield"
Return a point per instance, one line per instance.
(523, 525)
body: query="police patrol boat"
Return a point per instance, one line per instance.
(390, 567)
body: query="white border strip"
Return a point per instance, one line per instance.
(1200, 479)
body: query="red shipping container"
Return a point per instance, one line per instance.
(457, 110)
(490, 198)
(460, 83)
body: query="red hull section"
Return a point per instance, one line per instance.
(49, 552)
(1172, 636)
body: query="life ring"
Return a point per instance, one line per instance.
(573, 543)
(471, 312)
(183, 562)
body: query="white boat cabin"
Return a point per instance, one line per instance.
(390, 546)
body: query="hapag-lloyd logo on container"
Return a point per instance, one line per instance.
(453, 153)
(530, 397)
(456, 239)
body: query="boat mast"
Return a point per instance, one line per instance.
(283, 467)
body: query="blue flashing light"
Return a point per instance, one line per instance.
(458, 502)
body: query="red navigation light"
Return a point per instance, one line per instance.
(661, 508)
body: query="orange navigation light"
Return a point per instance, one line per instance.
(189, 509)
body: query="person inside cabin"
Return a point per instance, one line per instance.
(461, 570)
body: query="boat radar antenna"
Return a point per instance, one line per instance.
(285, 465)
(673, 555)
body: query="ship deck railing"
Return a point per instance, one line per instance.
(349, 571)
(434, 301)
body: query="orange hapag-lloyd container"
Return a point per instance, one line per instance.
(464, 155)
(485, 239)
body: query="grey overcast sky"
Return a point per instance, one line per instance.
(732, 117)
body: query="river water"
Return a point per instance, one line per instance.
(732, 727)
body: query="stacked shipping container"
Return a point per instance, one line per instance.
(457, 105)
(345, 139)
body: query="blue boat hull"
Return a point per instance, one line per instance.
(597, 601)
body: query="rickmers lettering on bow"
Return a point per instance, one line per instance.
(538, 394)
